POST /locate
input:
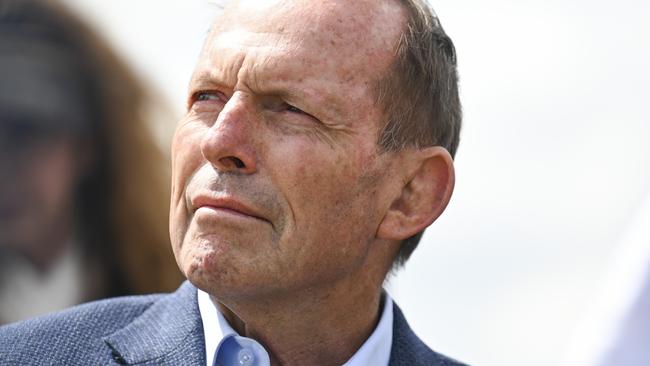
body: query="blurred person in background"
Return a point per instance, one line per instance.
(83, 187)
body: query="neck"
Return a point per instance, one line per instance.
(319, 326)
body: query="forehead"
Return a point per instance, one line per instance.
(349, 28)
(338, 41)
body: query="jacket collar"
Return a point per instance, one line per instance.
(409, 350)
(405, 343)
(169, 332)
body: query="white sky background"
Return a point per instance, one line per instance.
(554, 162)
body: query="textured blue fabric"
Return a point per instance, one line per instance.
(148, 330)
(142, 330)
(409, 350)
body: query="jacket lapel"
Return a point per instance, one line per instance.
(170, 332)
(402, 352)
(409, 350)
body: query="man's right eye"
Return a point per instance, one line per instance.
(207, 101)
(206, 96)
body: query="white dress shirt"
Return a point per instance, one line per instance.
(374, 351)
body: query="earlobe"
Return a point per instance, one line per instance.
(424, 196)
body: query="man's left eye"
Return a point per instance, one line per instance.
(293, 109)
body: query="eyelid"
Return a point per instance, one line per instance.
(300, 111)
(196, 95)
(293, 109)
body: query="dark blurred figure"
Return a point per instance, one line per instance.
(83, 188)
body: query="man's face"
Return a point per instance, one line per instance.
(278, 183)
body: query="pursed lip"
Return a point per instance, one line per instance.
(225, 203)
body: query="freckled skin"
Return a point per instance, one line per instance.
(314, 174)
(317, 177)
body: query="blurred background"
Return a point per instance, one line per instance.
(545, 244)
(84, 182)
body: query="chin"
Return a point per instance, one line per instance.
(228, 279)
(207, 267)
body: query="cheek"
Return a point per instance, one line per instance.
(186, 159)
(331, 200)
(186, 154)
(333, 229)
(335, 178)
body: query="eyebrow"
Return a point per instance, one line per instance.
(323, 104)
(199, 82)
(204, 80)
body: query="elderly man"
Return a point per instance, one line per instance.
(316, 148)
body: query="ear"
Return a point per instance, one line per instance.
(425, 193)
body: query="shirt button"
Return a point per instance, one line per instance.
(246, 357)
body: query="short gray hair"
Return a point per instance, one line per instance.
(419, 94)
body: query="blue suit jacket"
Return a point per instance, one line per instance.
(148, 330)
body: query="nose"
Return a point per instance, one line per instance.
(228, 144)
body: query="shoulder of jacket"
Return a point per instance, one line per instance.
(60, 333)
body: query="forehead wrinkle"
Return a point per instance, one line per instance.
(266, 70)
(241, 39)
(204, 80)
(225, 52)
(272, 76)
(354, 32)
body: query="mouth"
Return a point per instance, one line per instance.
(224, 206)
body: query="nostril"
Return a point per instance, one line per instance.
(238, 163)
(232, 162)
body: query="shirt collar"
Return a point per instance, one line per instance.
(374, 351)
(212, 325)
